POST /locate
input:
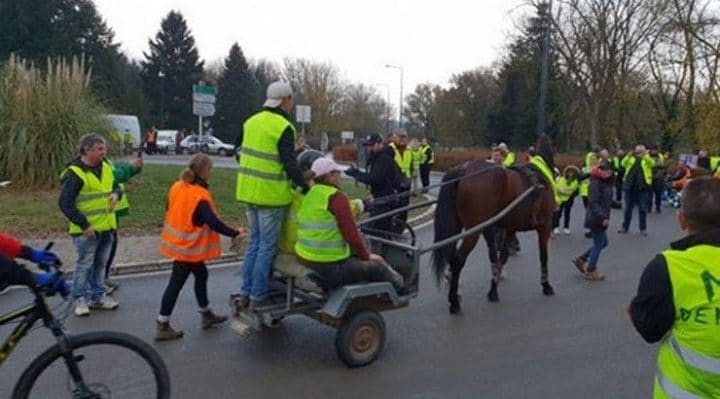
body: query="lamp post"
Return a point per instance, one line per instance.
(542, 102)
(387, 89)
(161, 75)
(400, 117)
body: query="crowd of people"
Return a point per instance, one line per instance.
(277, 192)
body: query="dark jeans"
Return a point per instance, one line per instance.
(180, 273)
(425, 175)
(655, 196)
(585, 201)
(618, 189)
(635, 199)
(354, 270)
(564, 211)
(383, 225)
(600, 241)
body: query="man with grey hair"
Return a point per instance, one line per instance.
(636, 184)
(88, 196)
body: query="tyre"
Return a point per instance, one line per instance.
(361, 338)
(222, 152)
(97, 355)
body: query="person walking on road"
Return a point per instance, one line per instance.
(637, 182)
(568, 187)
(427, 160)
(384, 178)
(89, 195)
(677, 300)
(597, 220)
(190, 237)
(268, 168)
(658, 180)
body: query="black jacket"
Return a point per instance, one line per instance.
(600, 199)
(384, 175)
(653, 310)
(635, 180)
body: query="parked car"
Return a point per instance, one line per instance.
(207, 144)
(166, 141)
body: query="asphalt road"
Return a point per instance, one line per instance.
(577, 344)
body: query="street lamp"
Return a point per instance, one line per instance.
(161, 75)
(387, 88)
(400, 117)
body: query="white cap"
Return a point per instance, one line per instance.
(323, 166)
(276, 92)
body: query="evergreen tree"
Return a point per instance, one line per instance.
(237, 93)
(168, 72)
(265, 72)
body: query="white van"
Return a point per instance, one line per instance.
(127, 124)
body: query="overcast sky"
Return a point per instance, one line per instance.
(430, 39)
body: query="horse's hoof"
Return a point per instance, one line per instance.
(548, 289)
(454, 308)
(492, 296)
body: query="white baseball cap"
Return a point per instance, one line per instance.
(276, 92)
(323, 166)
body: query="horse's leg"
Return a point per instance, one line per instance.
(456, 266)
(543, 238)
(491, 238)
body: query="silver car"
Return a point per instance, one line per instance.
(208, 144)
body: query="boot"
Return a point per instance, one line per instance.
(166, 333)
(209, 319)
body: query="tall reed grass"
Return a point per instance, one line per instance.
(43, 113)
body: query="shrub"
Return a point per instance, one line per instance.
(42, 116)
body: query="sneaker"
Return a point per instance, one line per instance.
(111, 286)
(580, 264)
(594, 276)
(81, 308)
(643, 233)
(556, 231)
(166, 333)
(105, 304)
(566, 232)
(209, 319)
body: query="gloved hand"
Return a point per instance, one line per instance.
(352, 171)
(52, 283)
(42, 256)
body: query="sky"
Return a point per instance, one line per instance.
(431, 40)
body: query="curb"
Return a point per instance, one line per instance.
(228, 258)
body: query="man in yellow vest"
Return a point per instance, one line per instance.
(678, 300)
(427, 159)
(509, 156)
(404, 160)
(267, 169)
(636, 184)
(88, 197)
(658, 180)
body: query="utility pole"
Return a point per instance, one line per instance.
(542, 104)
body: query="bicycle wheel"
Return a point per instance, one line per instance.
(112, 364)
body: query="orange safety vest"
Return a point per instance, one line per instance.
(679, 184)
(181, 239)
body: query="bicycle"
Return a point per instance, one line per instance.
(74, 352)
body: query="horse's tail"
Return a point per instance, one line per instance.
(446, 222)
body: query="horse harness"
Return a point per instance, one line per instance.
(536, 179)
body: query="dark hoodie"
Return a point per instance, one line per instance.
(601, 197)
(70, 188)
(384, 176)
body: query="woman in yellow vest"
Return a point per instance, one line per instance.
(678, 300)
(190, 237)
(328, 240)
(567, 186)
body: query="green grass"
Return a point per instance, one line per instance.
(36, 214)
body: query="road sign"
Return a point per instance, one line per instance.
(302, 113)
(204, 100)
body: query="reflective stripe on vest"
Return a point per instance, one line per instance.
(318, 238)
(261, 176)
(646, 165)
(93, 200)
(539, 163)
(688, 363)
(181, 239)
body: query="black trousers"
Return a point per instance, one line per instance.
(618, 189)
(564, 211)
(180, 272)
(383, 225)
(656, 195)
(425, 175)
(111, 256)
(355, 270)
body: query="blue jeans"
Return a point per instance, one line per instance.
(89, 273)
(600, 241)
(633, 199)
(264, 225)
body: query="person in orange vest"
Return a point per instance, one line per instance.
(190, 237)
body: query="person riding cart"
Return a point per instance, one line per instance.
(328, 241)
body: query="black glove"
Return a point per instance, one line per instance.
(352, 172)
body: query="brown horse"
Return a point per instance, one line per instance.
(484, 193)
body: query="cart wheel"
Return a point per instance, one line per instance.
(360, 338)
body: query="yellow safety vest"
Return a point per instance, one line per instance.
(93, 200)
(424, 151)
(539, 162)
(318, 237)
(646, 164)
(566, 188)
(261, 176)
(688, 364)
(714, 163)
(509, 159)
(589, 157)
(404, 160)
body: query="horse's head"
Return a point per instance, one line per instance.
(544, 148)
